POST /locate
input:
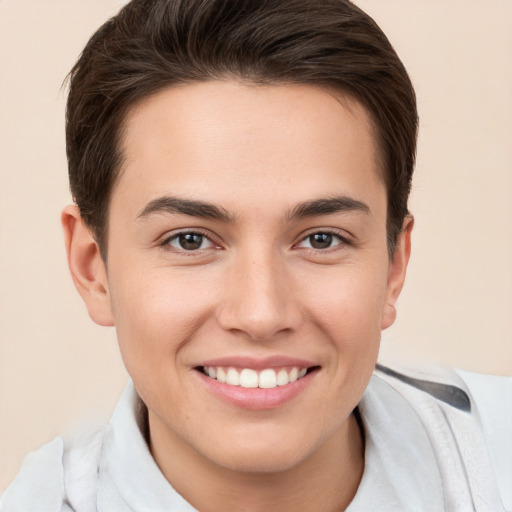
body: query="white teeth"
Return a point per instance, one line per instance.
(249, 378)
(268, 379)
(221, 375)
(282, 378)
(233, 377)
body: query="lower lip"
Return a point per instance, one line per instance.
(256, 398)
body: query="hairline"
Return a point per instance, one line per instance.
(336, 90)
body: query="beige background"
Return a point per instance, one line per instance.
(57, 367)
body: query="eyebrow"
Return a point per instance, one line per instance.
(327, 206)
(168, 204)
(203, 209)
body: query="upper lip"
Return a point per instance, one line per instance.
(256, 363)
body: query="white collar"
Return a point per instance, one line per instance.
(413, 458)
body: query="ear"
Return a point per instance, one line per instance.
(86, 266)
(397, 271)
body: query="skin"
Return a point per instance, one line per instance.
(256, 286)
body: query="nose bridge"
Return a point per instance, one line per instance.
(258, 300)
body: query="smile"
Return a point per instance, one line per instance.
(267, 378)
(257, 383)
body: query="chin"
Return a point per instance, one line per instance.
(261, 463)
(264, 456)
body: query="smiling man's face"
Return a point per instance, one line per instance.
(247, 245)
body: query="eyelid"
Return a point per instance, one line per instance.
(343, 236)
(164, 242)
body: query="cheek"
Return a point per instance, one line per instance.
(347, 310)
(348, 303)
(156, 312)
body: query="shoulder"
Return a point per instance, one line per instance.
(58, 477)
(487, 399)
(492, 395)
(40, 482)
(466, 417)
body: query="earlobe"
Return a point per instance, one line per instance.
(86, 266)
(397, 271)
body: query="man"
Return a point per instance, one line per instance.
(241, 172)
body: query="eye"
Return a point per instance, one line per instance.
(189, 241)
(322, 240)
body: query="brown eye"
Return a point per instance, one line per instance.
(321, 240)
(190, 241)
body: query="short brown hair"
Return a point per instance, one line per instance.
(153, 44)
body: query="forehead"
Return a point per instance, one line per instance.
(222, 139)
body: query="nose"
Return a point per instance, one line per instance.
(258, 299)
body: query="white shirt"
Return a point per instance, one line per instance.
(421, 454)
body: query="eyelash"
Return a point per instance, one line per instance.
(166, 243)
(343, 240)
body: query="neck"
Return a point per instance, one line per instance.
(327, 480)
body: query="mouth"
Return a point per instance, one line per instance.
(256, 386)
(266, 378)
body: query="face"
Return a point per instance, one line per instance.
(247, 245)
